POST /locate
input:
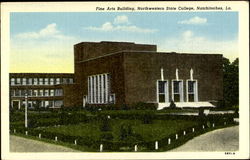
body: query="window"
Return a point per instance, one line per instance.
(192, 95)
(46, 92)
(71, 80)
(162, 92)
(57, 80)
(29, 92)
(177, 91)
(46, 81)
(12, 81)
(40, 81)
(51, 103)
(17, 92)
(65, 80)
(40, 92)
(18, 81)
(46, 104)
(58, 92)
(52, 92)
(99, 89)
(12, 92)
(51, 81)
(35, 81)
(24, 82)
(23, 93)
(35, 92)
(58, 103)
(29, 82)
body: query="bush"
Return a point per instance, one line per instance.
(105, 126)
(147, 119)
(144, 106)
(72, 118)
(172, 104)
(106, 136)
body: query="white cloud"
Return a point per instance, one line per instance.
(50, 32)
(121, 23)
(121, 20)
(194, 20)
(188, 42)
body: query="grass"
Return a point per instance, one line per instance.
(157, 130)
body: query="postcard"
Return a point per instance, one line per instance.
(125, 80)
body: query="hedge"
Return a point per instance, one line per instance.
(110, 145)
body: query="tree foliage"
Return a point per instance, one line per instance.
(231, 82)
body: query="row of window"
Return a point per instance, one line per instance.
(177, 91)
(99, 89)
(36, 92)
(33, 104)
(40, 81)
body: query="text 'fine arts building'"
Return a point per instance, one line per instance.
(127, 73)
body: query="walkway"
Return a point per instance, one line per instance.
(226, 139)
(20, 144)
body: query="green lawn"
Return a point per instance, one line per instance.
(157, 130)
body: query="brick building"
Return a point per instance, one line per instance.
(127, 73)
(42, 89)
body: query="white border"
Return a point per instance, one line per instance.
(240, 6)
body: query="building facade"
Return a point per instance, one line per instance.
(45, 90)
(126, 73)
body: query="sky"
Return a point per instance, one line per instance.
(43, 41)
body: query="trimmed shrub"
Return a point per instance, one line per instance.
(106, 136)
(144, 106)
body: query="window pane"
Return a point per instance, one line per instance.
(51, 81)
(46, 81)
(12, 81)
(177, 97)
(191, 86)
(71, 80)
(46, 92)
(12, 92)
(35, 81)
(24, 81)
(176, 86)
(191, 97)
(40, 92)
(40, 81)
(161, 86)
(18, 81)
(29, 82)
(57, 80)
(161, 97)
(52, 92)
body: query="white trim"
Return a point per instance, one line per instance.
(166, 91)
(195, 90)
(180, 90)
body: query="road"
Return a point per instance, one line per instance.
(20, 144)
(226, 139)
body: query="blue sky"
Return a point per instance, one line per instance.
(47, 39)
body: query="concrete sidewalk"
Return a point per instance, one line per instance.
(20, 144)
(226, 139)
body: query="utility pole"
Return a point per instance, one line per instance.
(26, 110)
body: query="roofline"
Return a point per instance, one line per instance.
(101, 42)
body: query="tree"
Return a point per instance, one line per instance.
(231, 82)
